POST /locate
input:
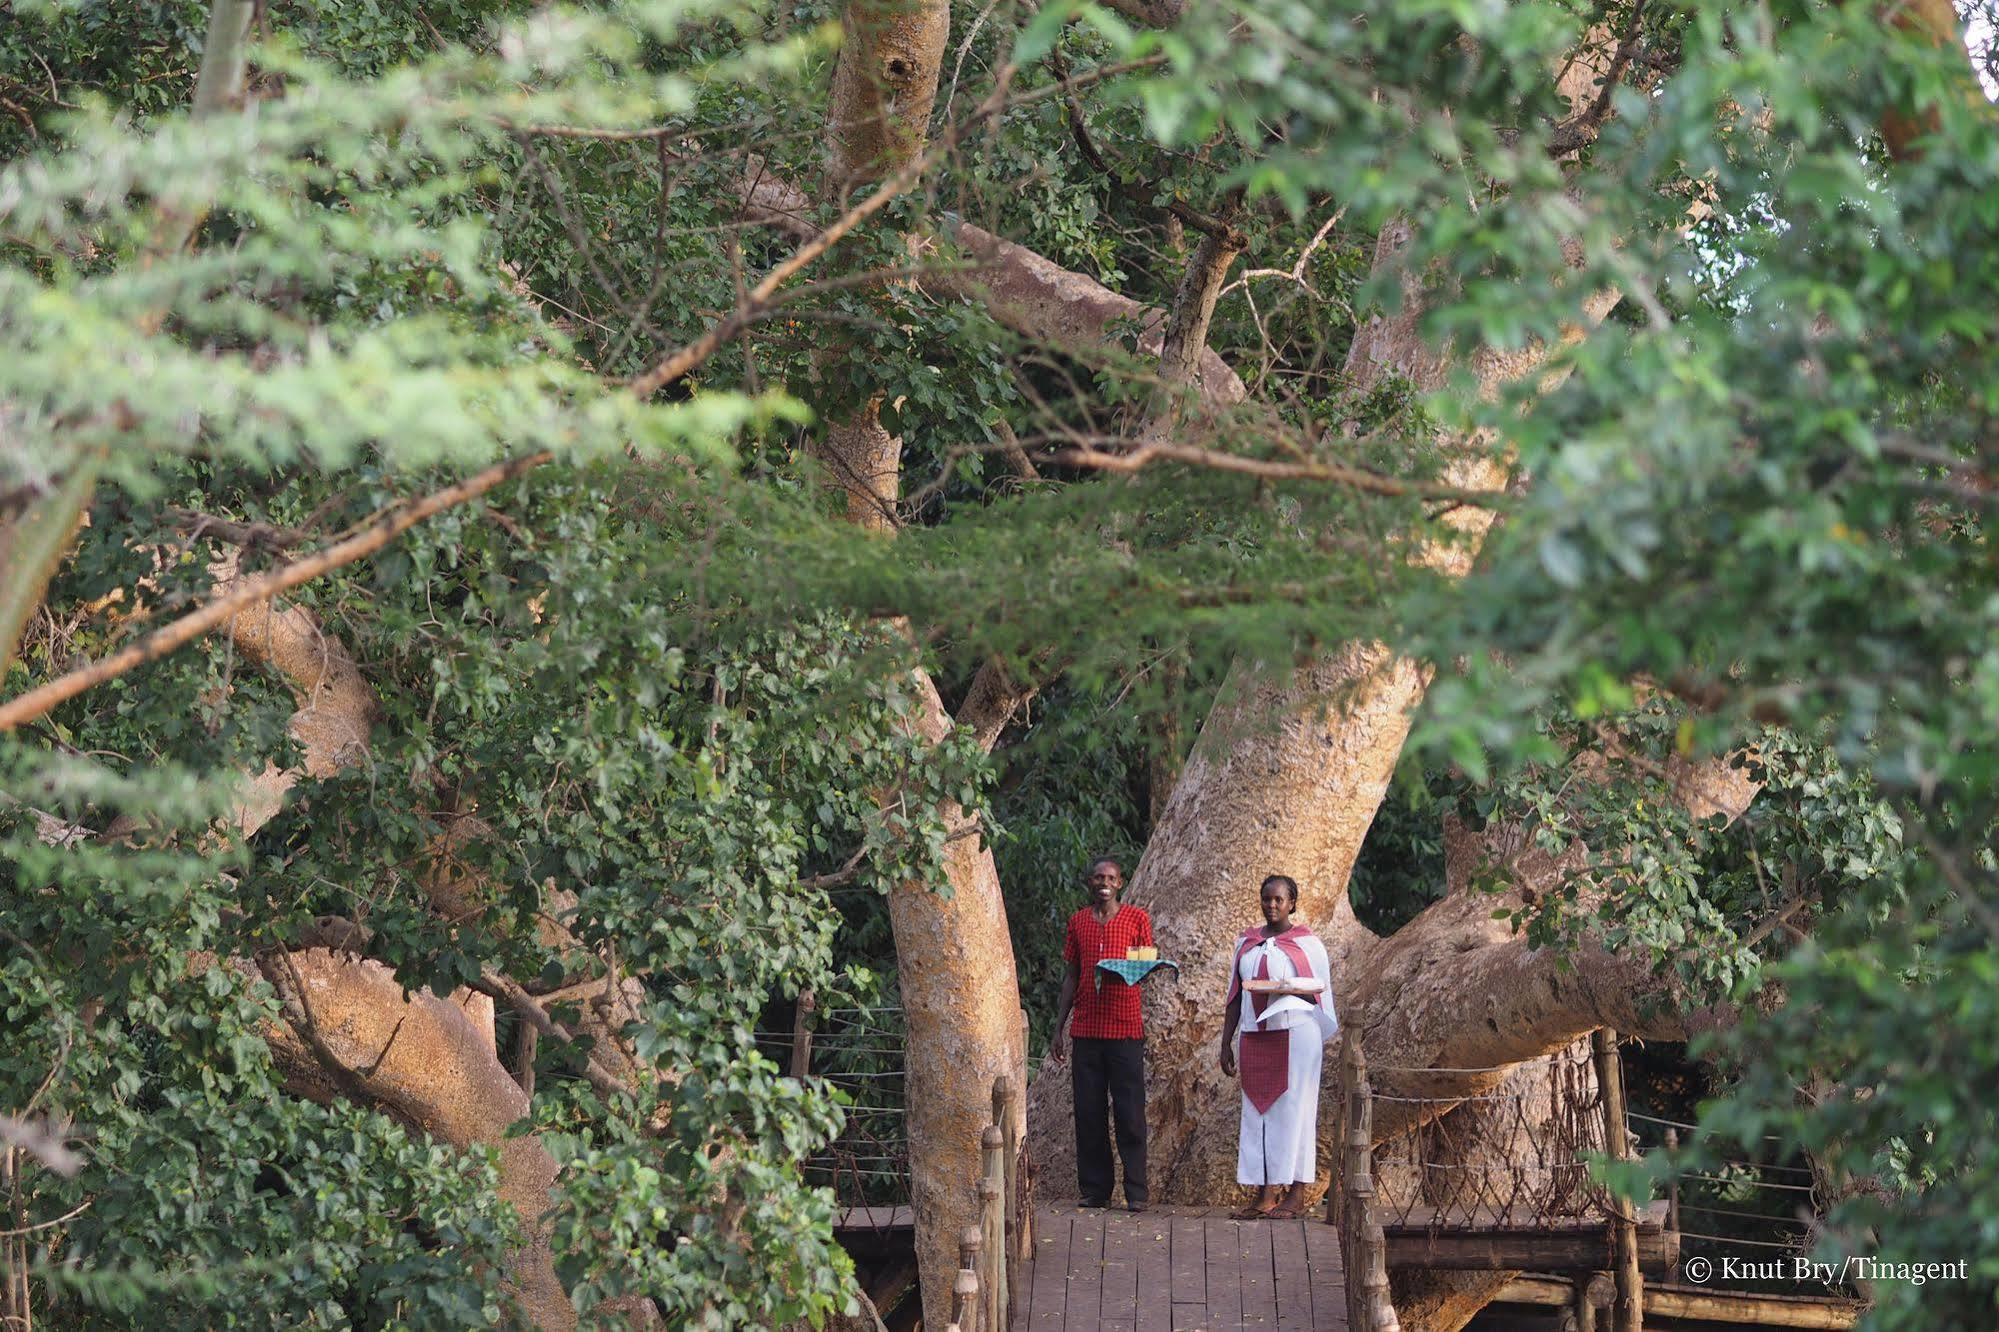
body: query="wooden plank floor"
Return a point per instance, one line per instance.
(1180, 1269)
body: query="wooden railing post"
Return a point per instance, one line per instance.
(1673, 1201)
(1369, 1308)
(801, 1033)
(992, 1220)
(965, 1292)
(1019, 1216)
(1627, 1310)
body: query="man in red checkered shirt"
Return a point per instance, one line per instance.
(1109, 1034)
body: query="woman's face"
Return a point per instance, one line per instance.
(1276, 904)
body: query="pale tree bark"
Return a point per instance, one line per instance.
(1287, 772)
(332, 724)
(1040, 299)
(961, 1010)
(1023, 291)
(349, 1029)
(1183, 345)
(1458, 989)
(954, 956)
(352, 1030)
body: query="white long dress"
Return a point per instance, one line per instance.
(1280, 1142)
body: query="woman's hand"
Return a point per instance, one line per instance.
(1228, 1058)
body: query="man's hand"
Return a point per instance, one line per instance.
(1058, 1049)
(1228, 1058)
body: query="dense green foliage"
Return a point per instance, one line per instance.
(647, 667)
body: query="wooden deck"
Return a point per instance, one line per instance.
(1180, 1269)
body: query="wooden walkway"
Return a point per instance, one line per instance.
(1180, 1269)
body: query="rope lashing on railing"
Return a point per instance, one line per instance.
(1501, 1156)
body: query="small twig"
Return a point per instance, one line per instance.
(70, 1215)
(1781, 917)
(850, 867)
(1296, 273)
(1139, 191)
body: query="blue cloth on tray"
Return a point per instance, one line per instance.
(1131, 971)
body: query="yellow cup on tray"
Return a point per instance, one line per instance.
(1141, 954)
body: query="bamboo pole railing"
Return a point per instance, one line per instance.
(991, 1253)
(1627, 1311)
(1362, 1243)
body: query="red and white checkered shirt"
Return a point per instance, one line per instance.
(1106, 1008)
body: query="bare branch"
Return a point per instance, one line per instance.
(1296, 273)
(992, 700)
(1355, 478)
(199, 525)
(849, 867)
(504, 990)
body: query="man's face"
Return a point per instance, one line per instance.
(1105, 880)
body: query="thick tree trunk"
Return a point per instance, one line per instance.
(961, 1008)
(1276, 784)
(1285, 778)
(353, 1031)
(954, 956)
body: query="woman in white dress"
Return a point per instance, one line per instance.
(1283, 970)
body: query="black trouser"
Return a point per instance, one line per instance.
(1115, 1069)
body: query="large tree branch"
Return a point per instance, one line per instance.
(1289, 769)
(336, 707)
(1039, 299)
(425, 1061)
(1458, 989)
(772, 201)
(1268, 469)
(995, 695)
(1183, 344)
(1023, 291)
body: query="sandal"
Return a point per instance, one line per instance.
(1251, 1213)
(1281, 1213)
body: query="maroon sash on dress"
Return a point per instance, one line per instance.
(1265, 1061)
